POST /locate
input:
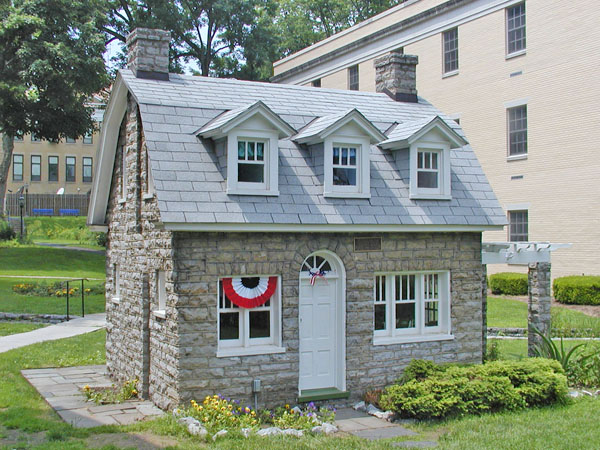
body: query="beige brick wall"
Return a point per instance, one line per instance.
(560, 82)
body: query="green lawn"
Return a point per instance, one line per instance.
(508, 313)
(517, 348)
(64, 230)
(7, 328)
(16, 303)
(31, 260)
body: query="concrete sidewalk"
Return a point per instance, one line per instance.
(74, 327)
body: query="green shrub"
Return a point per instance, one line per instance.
(508, 283)
(6, 231)
(577, 290)
(584, 370)
(455, 391)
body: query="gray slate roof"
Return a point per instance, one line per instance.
(190, 184)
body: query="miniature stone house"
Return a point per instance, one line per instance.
(316, 240)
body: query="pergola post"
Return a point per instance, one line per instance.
(539, 303)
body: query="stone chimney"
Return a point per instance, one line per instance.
(148, 53)
(395, 75)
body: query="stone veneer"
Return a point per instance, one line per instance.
(538, 308)
(175, 357)
(396, 75)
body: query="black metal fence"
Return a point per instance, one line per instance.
(48, 204)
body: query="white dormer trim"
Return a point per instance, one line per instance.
(441, 151)
(362, 189)
(417, 129)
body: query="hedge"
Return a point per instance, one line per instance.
(577, 290)
(508, 283)
(439, 391)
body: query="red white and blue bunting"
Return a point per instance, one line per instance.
(316, 273)
(249, 292)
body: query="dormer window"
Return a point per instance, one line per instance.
(428, 172)
(345, 166)
(252, 135)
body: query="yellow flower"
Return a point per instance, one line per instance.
(253, 413)
(287, 406)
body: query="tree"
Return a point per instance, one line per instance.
(50, 64)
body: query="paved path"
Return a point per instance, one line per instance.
(70, 247)
(62, 389)
(73, 327)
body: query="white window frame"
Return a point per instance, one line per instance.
(420, 333)
(363, 182)
(21, 164)
(522, 50)
(161, 294)
(354, 78)
(510, 215)
(443, 191)
(271, 160)
(514, 106)
(88, 139)
(446, 52)
(245, 345)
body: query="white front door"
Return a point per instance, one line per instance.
(318, 332)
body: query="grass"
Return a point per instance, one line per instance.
(509, 313)
(30, 304)
(8, 328)
(63, 230)
(31, 260)
(517, 348)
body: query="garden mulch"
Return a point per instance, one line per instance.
(62, 390)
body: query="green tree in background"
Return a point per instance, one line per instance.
(50, 65)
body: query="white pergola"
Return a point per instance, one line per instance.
(518, 253)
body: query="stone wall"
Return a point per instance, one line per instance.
(138, 344)
(396, 75)
(538, 308)
(201, 258)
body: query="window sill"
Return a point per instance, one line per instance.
(147, 196)
(411, 339)
(116, 300)
(430, 197)
(347, 194)
(160, 314)
(515, 54)
(450, 74)
(516, 157)
(258, 350)
(252, 192)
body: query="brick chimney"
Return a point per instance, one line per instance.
(148, 53)
(395, 75)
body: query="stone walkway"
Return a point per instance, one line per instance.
(62, 389)
(74, 327)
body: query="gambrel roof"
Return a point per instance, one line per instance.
(191, 187)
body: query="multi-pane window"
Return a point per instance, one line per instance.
(248, 327)
(316, 83)
(411, 304)
(515, 29)
(161, 290)
(251, 161)
(428, 171)
(36, 168)
(18, 138)
(70, 140)
(70, 168)
(17, 167)
(518, 226)
(345, 166)
(88, 139)
(451, 50)
(87, 169)
(353, 78)
(52, 168)
(517, 130)
(35, 138)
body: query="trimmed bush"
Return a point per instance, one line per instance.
(6, 231)
(508, 283)
(456, 391)
(577, 290)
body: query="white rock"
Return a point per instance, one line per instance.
(187, 421)
(575, 394)
(583, 391)
(389, 416)
(372, 410)
(195, 429)
(329, 428)
(317, 429)
(293, 432)
(296, 410)
(246, 432)
(219, 434)
(360, 406)
(597, 392)
(271, 431)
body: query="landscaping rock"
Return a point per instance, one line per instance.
(271, 431)
(318, 429)
(296, 410)
(187, 421)
(195, 429)
(218, 434)
(246, 432)
(329, 428)
(576, 393)
(360, 406)
(293, 432)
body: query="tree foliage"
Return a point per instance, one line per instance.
(50, 64)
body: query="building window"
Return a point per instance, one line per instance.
(428, 171)
(353, 78)
(18, 138)
(88, 139)
(116, 282)
(518, 226)
(249, 330)
(70, 168)
(517, 130)
(345, 166)
(87, 169)
(451, 50)
(515, 29)
(411, 307)
(52, 168)
(36, 168)
(251, 161)
(17, 167)
(35, 138)
(70, 140)
(316, 83)
(161, 290)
